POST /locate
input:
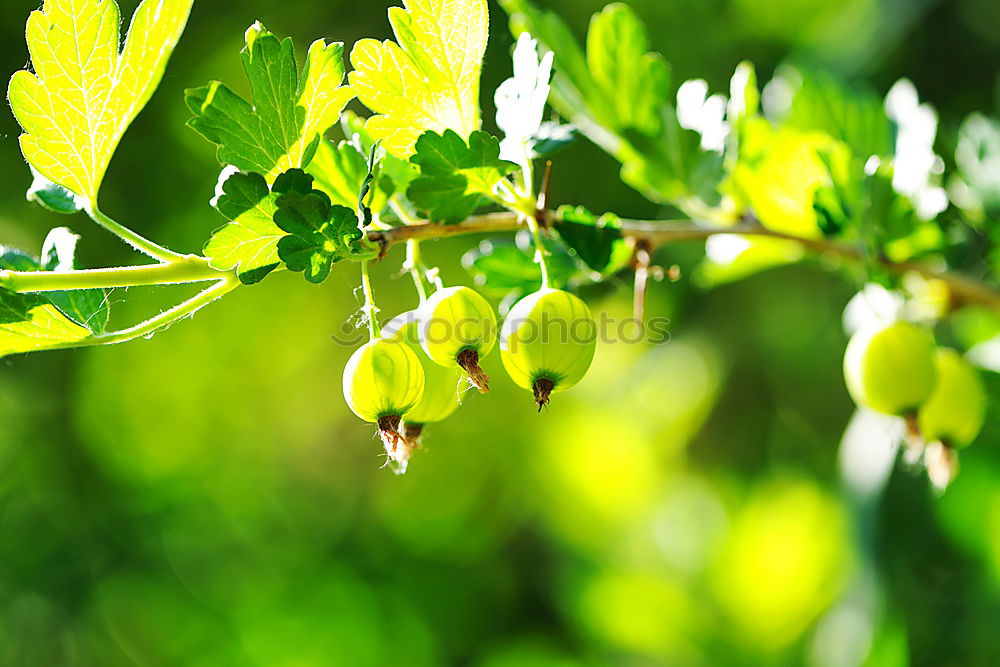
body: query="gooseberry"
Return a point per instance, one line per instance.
(955, 411)
(383, 380)
(547, 342)
(458, 328)
(890, 369)
(441, 384)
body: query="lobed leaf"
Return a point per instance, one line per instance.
(84, 92)
(30, 322)
(282, 129)
(319, 233)
(456, 177)
(249, 242)
(428, 79)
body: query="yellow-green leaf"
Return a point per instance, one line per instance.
(428, 79)
(84, 93)
(290, 111)
(44, 328)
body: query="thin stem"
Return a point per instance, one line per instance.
(540, 250)
(415, 267)
(370, 308)
(185, 270)
(399, 208)
(140, 243)
(161, 321)
(658, 232)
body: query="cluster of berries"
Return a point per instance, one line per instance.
(897, 369)
(416, 370)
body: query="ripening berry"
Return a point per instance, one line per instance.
(890, 369)
(457, 328)
(547, 342)
(955, 411)
(382, 381)
(441, 385)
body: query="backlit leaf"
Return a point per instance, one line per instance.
(428, 79)
(84, 92)
(249, 242)
(290, 111)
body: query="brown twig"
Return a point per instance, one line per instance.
(656, 232)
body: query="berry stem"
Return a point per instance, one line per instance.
(415, 268)
(541, 253)
(370, 308)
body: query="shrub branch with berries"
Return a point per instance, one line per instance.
(816, 169)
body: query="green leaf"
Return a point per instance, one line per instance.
(52, 197)
(821, 103)
(340, 170)
(249, 243)
(731, 258)
(399, 173)
(290, 111)
(779, 173)
(428, 79)
(88, 307)
(618, 84)
(631, 83)
(617, 94)
(319, 232)
(455, 177)
(29, 322)
(502, 267)
(84, 93)
(596, 240)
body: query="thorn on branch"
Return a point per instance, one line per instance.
(642, 257)
(542, 204)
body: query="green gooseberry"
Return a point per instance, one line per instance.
(956, 409)
(890, 369)
(383, 380)
(458, 328)
(441, 384)
(547, 342)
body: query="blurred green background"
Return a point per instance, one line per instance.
(206, 498)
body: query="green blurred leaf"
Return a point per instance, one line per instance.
(779, 172)
(249, 243)
(83, 93)
(618, 95)
(631, 83)
(319, 233)
(821, 103)
(456, 178)
(290, 111)
(595, 239)
(502, 267)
